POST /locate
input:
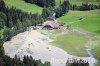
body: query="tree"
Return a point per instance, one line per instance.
(58, 12)
(47, 12)
(2, 5)
(83, 7)
(62, 9)
(1, 47)
(2, 63)
(65, 6)
(19, 26)
(46, 63)
(44, 13)
(10, 23)
(2, 20)
(41, 20)
(42, 3)
(7, 34)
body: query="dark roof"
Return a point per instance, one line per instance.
(51, 18)
(61, 23)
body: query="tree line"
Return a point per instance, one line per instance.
(84, 7)
(49, 7)
(42, 3)
(60, 10)
(16, 61)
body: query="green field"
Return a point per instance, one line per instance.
(96, 50)
(27, 7)
(72, 43)
(79, 2)
(91, 23)
(20, 4)
(90, 20)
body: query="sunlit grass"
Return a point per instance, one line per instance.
(72, 43)
(21, 4)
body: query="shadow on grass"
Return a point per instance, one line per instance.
(97, 32)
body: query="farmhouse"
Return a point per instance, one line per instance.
(51, 25)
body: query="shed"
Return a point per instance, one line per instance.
(51, 18)
(61, 23)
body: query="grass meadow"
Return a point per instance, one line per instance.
(88, 20)
(72, 43)
(79, 2)
(21, 4)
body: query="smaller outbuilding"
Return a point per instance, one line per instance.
(61, 23)
(51, 18)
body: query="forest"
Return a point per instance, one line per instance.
(42, 3)
(84, 7)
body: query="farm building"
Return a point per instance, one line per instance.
(61, 23)
(51, 25)
(52, 18)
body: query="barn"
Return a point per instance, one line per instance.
(50, 25)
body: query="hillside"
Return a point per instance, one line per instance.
(87, 0)
(89, 20)
(27, 7)
(79, 2)
(20, 4)
(86, 20)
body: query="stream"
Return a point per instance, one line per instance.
(93, 61)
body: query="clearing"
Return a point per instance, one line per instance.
(36, 44)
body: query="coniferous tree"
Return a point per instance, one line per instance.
(6, 34)
(2, 20)
(10, 24)
(44, 13)
(58, 12)
(62, 9)
(65, 6)
(84, 7)
(46, 64)
(1, 47)
(42, 3)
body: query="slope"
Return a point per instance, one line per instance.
(79, 2)
(20, 4)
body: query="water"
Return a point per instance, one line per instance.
(93, 62)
